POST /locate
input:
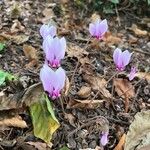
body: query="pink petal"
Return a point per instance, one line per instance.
(46, 30)
(104, 138)
(92, 29)
(60, 77)
(132, 73)
(117, 57)
(47, 77)
(103, 27)
(48, 48)
(126, 56)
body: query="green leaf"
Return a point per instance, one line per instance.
(148, 1)
(2, 46)
(64, 148)
(115, 1)
(43, 118)
(4, 77)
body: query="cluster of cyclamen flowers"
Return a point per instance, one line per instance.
(52, 75)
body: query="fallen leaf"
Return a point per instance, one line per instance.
(76, 51)
(138, 31)
(14, 122)
(31, 53)
(98, 84)
(16, 27)
(70, 118)
(138, 135)
(143, 75)
(39, 145)
(86, 104)
(84, 92)
(66, 87)
(124, 86)
(120, 145)
(18, 39)
(145, 147)
(111, 39)
(43, 119)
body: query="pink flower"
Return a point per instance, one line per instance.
(98, 28)
(104, 138)
(54, 49)
(53, 81)
(46, 30)
(132, 73)
(121, 59)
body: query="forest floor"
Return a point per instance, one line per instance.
(97, 98)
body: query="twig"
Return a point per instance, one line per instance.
(118, 18)
(142, 52)
(62, 105)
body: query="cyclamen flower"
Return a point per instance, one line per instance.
(53, 81)
(46, 30)
(104, 138)
(121, 59)
(98, 28)
(54, 49)
(132, 73)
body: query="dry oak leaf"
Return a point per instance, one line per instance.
(40, 145)
(18, 39)
(86, 104)
(144, 75)
(97, 84)
(84, 92)
(32, 54)
(138, 31)
(15, 121)
(76, 51)
(124, 86)
(138, 135)
(71, 118)
(120, 145)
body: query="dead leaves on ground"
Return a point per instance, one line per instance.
(120, 145)
(32, 54)
(138, 135)
(124, 89)
(84, 92)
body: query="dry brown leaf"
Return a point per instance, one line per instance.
(76, 51)
(98, 84)
(143, 75)
(84, 92)
(120, 145)
(14, 122)
(138, 31)
(138, 135)
(16, 27)
(94, 17)
(31, 53)
(40, 145)
(70, 118)
(66, 87)
(124, 86)
(111, 39)
(18, 39)
(48, 15)
(86, 104)
(145, 148)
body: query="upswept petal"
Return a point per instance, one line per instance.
(132, 73)
(117, 55)
(103, 27)
(44, 30)
(48, 48)
(92, 29)
(61, 52)
(52, 31)
(47, 77)
(60, 77)
(104, 138)
(126, 56)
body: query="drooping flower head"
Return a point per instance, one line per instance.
(46, 30)
(98, 28)
(121, 59)
(104, 138)
(54, 49)
(53, 81)
(132, 73)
